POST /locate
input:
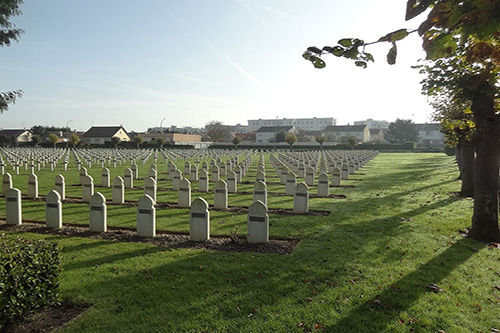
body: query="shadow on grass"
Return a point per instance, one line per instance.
(386, 307)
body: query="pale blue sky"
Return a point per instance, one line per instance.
(130, 62)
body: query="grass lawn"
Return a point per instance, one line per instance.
(363, 268)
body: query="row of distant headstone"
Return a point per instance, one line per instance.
(199, 221)
(289, 169)
(180, 184)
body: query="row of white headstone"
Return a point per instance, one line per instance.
(199, 222)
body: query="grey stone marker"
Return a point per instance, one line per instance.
(345, 171)
(194, 173)
(98, 213)
(2, 168)
(53, 210)
(135, 170)
(6, 183)
(261, 176)
(260, 192)
(214, 174)
(153, 173)
(239, 173)
(129, 178)
(105, 177)
(203, 181)
(323, 185)
(13, 213)
(220, 195)
(83, 173)
(60, 186)
(301, 199)
(177, 176)
(187, 167)
(87, 188)
(146, 217)
(257, 223)
(291, 182)
(310, 176)
(336, 176)
(32, 186)
(118, 190)
(232, 186)
(199, 221)
(150, 188)
(184, 193)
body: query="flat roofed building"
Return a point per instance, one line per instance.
(304, 124)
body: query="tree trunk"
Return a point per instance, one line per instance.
(458, 159)
(486, 143)
(467, 169)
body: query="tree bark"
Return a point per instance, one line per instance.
(458, 159)
(486, 143)
(467, 169)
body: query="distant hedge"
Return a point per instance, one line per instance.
(29, 276)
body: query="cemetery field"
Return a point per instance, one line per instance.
(382, 253)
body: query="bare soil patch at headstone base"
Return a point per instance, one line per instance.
(164, 239)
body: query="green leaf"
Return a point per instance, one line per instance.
(314, 49)
(351, 53)
(395, 36)
(391, 56)
(346, 42)
(416, 7)
(338, 51)
(361, 64)
(367, 56)
(318, 63)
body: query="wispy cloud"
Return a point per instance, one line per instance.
(240, 69)
(267, 8)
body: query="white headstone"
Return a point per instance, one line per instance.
(336, 176)
(220, 195)
(176, 179)
(98, 213)
(129, 178)
(291, 182)
(194, 173)
(184, 193)
(232, 184)
(118, 190)
(214, 174)
(87, 188)
(301, 199)
(150, 188)
(203, 181)
(105, 177)
(13, 212)
(257, 223)
(323, 185)
(146, 217)
(310, 176)
(260, 192)
(53, 210)
(32, 186)
(199, 222)
(6, 183)
(60, 186)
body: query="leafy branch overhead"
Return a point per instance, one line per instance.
(354, 49)
(449, 25)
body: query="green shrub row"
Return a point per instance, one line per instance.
(29, 276)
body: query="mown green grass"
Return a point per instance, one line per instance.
(363, 268)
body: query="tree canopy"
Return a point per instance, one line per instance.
(466, 35)
(8, 34)
(401, 131)
(216, 131)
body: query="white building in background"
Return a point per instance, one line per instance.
(429, 135)
(373, 124)
(303, 124)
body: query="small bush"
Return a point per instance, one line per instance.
(29, 276)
